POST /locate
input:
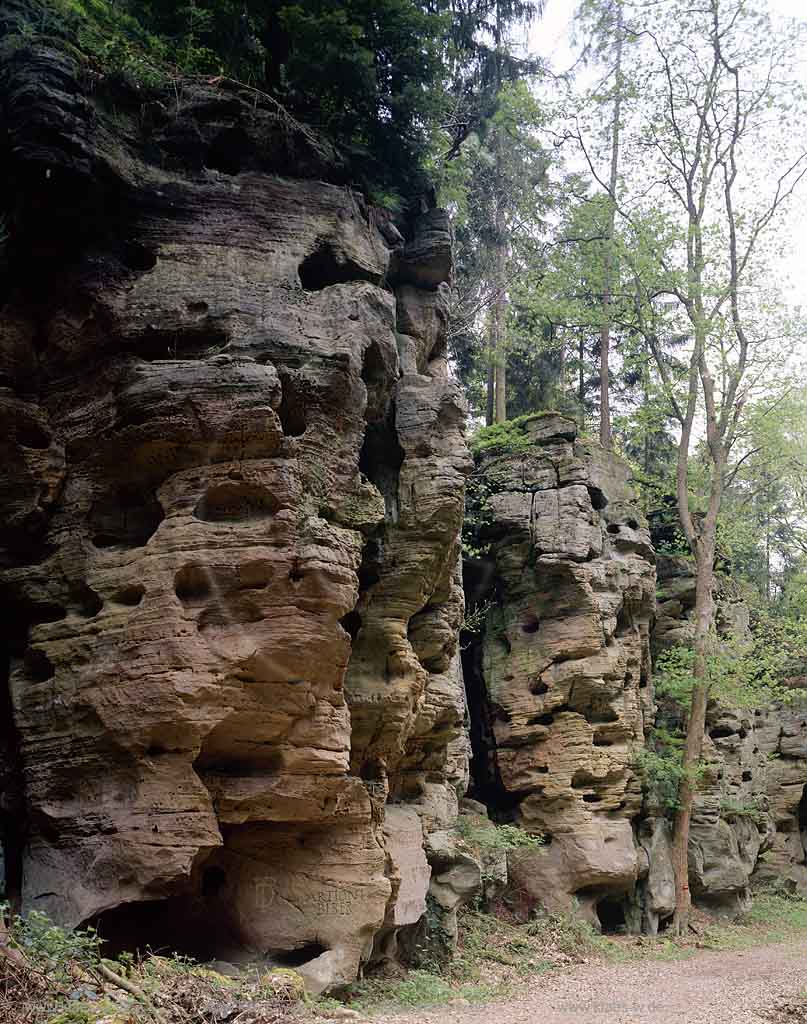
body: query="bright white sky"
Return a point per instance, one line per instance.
(550, 37)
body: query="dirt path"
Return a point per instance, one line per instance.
(710, 988)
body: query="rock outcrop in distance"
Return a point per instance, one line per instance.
(233, 478)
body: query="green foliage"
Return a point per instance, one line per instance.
(53, 947)
(489, 836)
(660, 768)
(741, 671)
(732, 808)
(510, 436)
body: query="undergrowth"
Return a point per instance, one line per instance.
(49, 975)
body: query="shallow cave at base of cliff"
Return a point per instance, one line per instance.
(606, 909)
(611, 915)
(181, 924)
(197, 922)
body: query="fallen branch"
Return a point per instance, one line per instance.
(131, 988)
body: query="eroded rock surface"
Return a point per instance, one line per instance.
(749, 823)
(232, 494)
(561, 673)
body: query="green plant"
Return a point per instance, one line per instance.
(510, 436)
(55, 948)
(489, 836)
(731, 807)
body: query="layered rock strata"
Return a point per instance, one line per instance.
(232, 494)
(749, 823)
(561, 671)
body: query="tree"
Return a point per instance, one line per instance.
(723, 96)
(482, 120)
(608, 35)
(504, 202)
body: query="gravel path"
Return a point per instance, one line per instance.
(710, 988)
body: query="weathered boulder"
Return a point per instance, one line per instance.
(560, 676)
(229, 535)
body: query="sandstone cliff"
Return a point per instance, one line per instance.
(560, 674)
(229, 546)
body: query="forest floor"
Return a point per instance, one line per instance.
(558, 971)
(753, 986)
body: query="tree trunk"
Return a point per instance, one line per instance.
(605, 330)
(491, 391)
(501, 358)
(704, 612)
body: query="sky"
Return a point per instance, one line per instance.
(550, 38)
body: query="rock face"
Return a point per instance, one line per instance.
(561, 672)
(229, 550)
(749, 823)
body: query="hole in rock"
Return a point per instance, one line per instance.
(611, 915)
(721, 732)
(197, 307)
(602, 741)
(295, 572)
(298, 957)
(235, 501)
(612, 528)
(254, 575)
(193, 341)
(597, 498)
(192, 583)
(351, 623)
(632, 524)
(137, 257)
(31, 435)
(38, 665)
(591, 798)
(373, 369)
(291, 411)
(541, 720)
(88, 602)
(324, 267)
(380, 460)
(230, 151)
(747, 776)
(131, 595)
(126, 518)
(602, 716)
(531, 624)
(538, 688)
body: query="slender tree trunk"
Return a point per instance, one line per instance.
(704, 612)
(499, 315)
(613, 178)
(581, 380)
(491, 386)
(500, 231)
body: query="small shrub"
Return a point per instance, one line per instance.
(489, 836)
(730, 808)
